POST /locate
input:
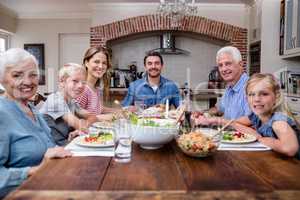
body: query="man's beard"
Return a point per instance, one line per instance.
(154, 76)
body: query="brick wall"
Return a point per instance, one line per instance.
(232, 35)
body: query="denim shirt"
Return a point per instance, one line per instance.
(23, 143)
(234, 102)
(266, 129)
(140, 90)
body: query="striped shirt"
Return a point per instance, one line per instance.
(91, 100)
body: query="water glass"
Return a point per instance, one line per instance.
(139, 104)
(123, 141)
(93, 131)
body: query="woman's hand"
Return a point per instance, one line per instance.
(55, 152)
(105, 117)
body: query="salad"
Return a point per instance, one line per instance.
(152, 122)
(101, 138)
(196, 144)
(236, 136)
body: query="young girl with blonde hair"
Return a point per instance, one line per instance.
(270, 121)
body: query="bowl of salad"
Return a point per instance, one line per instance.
(153, 133)
(197, 144)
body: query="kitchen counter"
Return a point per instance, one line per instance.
(206, 94)
(118, 89)
(291, 95)
(196, 95)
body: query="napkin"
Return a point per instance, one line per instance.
(89, 151)
(254, 146)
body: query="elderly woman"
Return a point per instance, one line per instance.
(25, 140)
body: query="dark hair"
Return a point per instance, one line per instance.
(153, 54)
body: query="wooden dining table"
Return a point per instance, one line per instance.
(166, 173)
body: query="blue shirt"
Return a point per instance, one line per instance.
(23, 143)
(266, 129)
(140, 90)
(234, 102)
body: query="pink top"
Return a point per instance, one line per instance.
(90, 100)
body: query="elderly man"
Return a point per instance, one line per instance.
(233, 103)
(153, 88)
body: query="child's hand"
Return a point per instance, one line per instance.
(74, 134)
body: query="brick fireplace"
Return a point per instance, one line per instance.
(231, 35)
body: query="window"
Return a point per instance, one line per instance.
(4, 41)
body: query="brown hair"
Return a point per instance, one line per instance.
(280, 104)
(106, 77)
(153, 54)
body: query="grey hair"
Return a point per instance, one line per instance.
(13, 57)
(233, 51)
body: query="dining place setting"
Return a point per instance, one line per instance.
(98, 141)
(153, 127)
(150, 128)
(204, 140)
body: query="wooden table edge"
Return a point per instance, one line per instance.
(156, 194)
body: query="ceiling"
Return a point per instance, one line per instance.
(23, 8)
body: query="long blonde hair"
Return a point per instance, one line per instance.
(106, 77)
(280, 104)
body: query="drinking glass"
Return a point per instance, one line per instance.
(123, 141)
(139, 104)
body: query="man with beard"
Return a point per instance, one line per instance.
(153, 89)
(233, 103)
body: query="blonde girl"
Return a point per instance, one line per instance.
(97, 63)
(270, 120)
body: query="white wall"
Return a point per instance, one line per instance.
(255, 21)
(235, 14)
(8, 20)
(200, 61)
(202, 57)
(47, 31)
(270, 59)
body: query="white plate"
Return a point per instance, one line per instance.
(249, 138)
(207, 131)
(103, 124)
(80, 141)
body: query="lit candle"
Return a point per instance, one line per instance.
(193, 2)
(167, 109)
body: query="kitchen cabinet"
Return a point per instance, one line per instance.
(294, 104)
(254, 66)
(291, 28)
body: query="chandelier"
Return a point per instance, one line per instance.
(175, 10)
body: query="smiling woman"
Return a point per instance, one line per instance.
(25, 138)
